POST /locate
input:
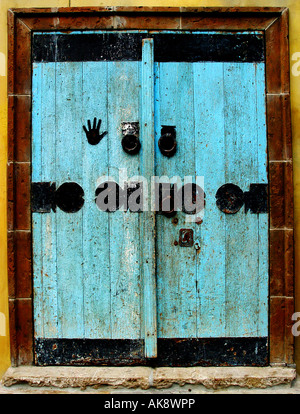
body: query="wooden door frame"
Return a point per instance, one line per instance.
(274, 23)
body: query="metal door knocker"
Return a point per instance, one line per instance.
(130, 141)
(167, 142)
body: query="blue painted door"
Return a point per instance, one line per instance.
(126, 286)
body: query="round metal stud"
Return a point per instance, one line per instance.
(69, 197)
(230, 198)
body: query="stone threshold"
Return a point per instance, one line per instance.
(146, 377)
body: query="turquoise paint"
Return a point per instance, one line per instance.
(176, 276)
(210, 163)
(242, 230)
(96, 246)
(69, 234)
(223, 98)
(124, 254)
(37, 246)
(48, 221)
(263, 236)
(148, 217)
(91, 276)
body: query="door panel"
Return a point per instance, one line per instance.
(176, 266)
(210, 163)
(96, 270)
(245, 148)
(43, 144)
(104, 280)
(96, 253)
(68, 168)
(209, 293)
(124, 106)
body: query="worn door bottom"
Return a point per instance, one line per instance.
(147, 377)
(172, 352)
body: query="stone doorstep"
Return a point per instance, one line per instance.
(146, 377)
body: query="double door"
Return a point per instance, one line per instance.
(126, 116)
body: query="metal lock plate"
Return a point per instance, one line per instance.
(130, 128)
(186, 237)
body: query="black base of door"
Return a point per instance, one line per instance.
(171, 352)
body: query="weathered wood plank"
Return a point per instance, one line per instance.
(242, 270)
(187, 287)
(48, 226)
(37, 247)
(210, 163)
(148, 216)
(69, 225)
(263, 219)
(176, 276)
(123, 106)
(96, 242)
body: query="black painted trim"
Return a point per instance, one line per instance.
(184, 47)
(171, 352)
(44, 197)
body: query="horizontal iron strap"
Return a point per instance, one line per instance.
(185, 47)
(171, 352)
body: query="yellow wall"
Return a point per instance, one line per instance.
(294, 6)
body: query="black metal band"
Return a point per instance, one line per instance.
(168, 47)
(44, 197)
(171, 352)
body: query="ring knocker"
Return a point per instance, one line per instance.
(130, 141)
(167, 142)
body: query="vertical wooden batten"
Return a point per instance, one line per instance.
(148, 225)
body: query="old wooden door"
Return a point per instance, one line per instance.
(133, 286)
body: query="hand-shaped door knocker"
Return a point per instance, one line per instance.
(93, 134)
